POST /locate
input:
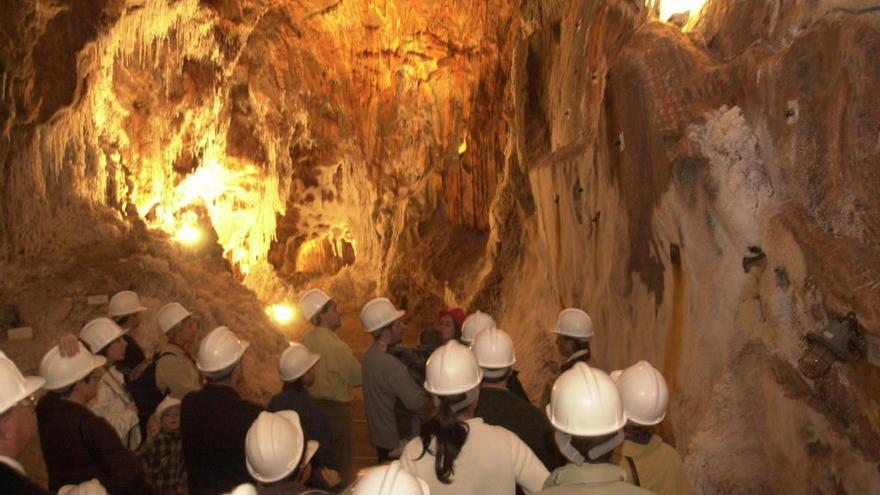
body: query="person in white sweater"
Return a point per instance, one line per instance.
(456, 453)
(113, 402)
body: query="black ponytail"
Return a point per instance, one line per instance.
(450, 433)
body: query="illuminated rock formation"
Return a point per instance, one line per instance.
(704, 188)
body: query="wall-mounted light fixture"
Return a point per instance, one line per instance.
(839, 340)
(281, 313)
(757, 259)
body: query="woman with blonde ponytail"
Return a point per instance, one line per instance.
(457, 453)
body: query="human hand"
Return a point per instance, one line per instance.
(68, 344)
(330, 477)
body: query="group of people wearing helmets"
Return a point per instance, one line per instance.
(467, 428)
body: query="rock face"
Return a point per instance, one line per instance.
(707, 196)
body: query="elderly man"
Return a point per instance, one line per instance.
(77, 444)
(386, 379)
(336, 374)
(17, 426)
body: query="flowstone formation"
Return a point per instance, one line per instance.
(703, 187)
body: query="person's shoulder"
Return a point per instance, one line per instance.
(169, 349)
(668, 452)
(625, 488)
(478, 426)
(249, 407)
(413, 449)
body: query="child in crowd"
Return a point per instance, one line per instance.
(162, 453)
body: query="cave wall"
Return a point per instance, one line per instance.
(514, 157)
(645, 162)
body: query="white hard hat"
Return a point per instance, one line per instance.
(585, 403)
(274, 445)
(60, 371)
(379, 313)
(13, 386)
(644, 393)
(615, 375)
(220, 349)
(99, 333)
(170, 315)
(243, 489)
(125, 303)
(311, 302)
(452, 369)
(295, 361)
(390, 480)
(574, 323)
(474, 324)
(91, 487)
(494, 352)
(167, 403)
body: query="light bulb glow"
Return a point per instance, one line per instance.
(188, 235)
(281, 313)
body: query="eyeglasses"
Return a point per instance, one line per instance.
(29, 401)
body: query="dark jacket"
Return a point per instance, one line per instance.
(78, 446)
(213, 423)
(579, 356)
(313, 420)
(134, 356)
(503, 408)
(13, 482)
(288, 488)
(515, 386)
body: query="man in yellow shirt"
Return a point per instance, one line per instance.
(176, 373)
(336, 373)
(649, 462)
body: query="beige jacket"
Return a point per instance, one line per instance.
(658, 465)
(590, 479)
(176, 374)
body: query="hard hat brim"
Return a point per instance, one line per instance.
(502, 364)
(558, 331)
(376, 326)
(31, 385)
(97, 362)
(456, 390)
(183, 316)
(117, 314)
(108, 343)
(640, 422)
(494, 372)
(313, 361)
(583, 432)
(244, 347)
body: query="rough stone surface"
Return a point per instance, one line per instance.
(514, 157)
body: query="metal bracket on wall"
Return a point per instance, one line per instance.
(792, 114)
